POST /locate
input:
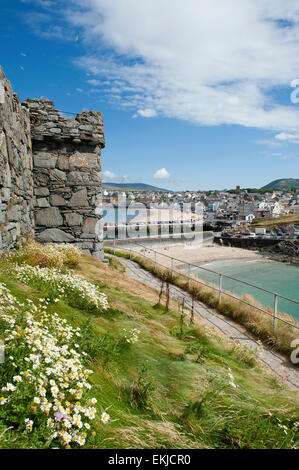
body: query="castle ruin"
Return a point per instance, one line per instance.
(50, 173)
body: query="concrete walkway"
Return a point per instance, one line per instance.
(282, 368)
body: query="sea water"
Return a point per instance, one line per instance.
(118, 216)
(280, 278)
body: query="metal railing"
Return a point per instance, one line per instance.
(219, 288)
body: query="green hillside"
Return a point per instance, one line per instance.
(287, 183)
(168, 387)
(131, 187)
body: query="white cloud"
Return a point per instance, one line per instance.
(161, 174)
(270, 143)
(109, 175)
(94, 82)
(283, 136)
(210, 63)
(147, 113)
(45, 26)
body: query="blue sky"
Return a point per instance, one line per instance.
(194, 97)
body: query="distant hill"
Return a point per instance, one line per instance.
(287, 183)
(131, 187)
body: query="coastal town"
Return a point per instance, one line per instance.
(220, 210)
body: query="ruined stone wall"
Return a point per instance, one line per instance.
(50, 173)
(16, 184)
(67, 176)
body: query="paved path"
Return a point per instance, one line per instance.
(279, 365)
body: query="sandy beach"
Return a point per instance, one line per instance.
(155, 215)
(198, 254)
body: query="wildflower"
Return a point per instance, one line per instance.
(284, 428)
(29, 424)
(105, 417)
(65, 284)
(17, 378)
(48, 340)
(9, 388)
(231, 381)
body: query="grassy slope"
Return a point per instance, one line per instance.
(276, 221)
(191, 403)
(286, 183)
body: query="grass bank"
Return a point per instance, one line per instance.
(276, 221)
(175, 386)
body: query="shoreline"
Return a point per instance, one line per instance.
(212, 252)
(281, 258)
(198, 254)
(189, 260)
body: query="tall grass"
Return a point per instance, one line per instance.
(166, 390)
(46, 256)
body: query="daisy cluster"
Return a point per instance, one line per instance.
(76, 290)
(71, 254)
(132, 335)
(43, 376)
(231, 379)
(289, 431)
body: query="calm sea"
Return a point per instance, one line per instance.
(271, 275)
(118, 216)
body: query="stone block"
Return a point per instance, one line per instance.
(41, 191)
(73, 219)
(99, 254)
(89, 225)
(86, 128)
(57, 175)
(54, 235)
(44, 160)
(14, 213)
(57, 200)
(49, 217)
(63, 162)
(84, 160)
(78, 177)
(87, 245)
(43, 202)
(5, 194)
(79, 199)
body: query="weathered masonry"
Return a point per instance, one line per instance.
(67, 176)
(16, 177)
(54, 188)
